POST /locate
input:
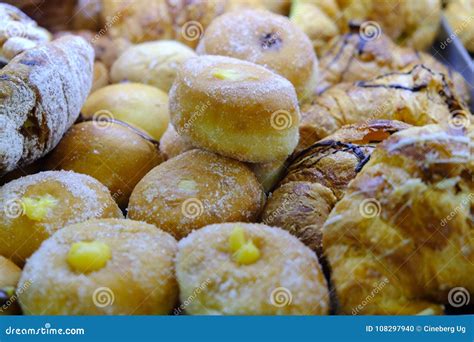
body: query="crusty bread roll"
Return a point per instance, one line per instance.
(41, 94)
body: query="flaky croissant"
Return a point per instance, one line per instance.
(42, 91)
(401, 240)
(318, 177)
(418, 97)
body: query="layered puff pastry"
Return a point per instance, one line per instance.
(404, 228)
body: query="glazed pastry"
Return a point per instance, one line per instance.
(195, 189)
(172, 144)
(9, 276)
(408, 23)
(41, 93)
(405, 225)
(154, 63)
(111, 152)
(36, 206)
(18, 33)
(235, 108)
(142, 106)
(418, 97)
(352, 57)
(459, 14)
(317, 179)
(249, 269)
(267, 39)
(97, 267)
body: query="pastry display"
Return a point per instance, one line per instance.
(195, 189)
(418, 97)
(102, 267)
(317, 177)
(9, 276)
(405, 222)
(142, 106)
(249, 269)
(36, 206)
(154, 63)
(110, 151)
(409, 23)
(267, 39)
(229, 106)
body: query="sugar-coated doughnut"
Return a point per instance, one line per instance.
(32, 208)
(9, 276)
(112, 153)
(195, 189)
(264, 38)
(140, 105)
(154, 63)
(115, 267)
(172, 144)
(235, 108)
(249, 269)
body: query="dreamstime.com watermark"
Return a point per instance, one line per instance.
(14, 297)
(108, 24)
(465, 203)
(456, 31)
(179, 310)
(370, 297)
(46, 330)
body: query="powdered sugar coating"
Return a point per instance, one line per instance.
(42, 91)
(285, 265)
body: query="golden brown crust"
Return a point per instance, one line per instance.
(405, 224)
(231, 106)
(267, 39)
(172, 144)
(78, 198)
(460, 13)
(9, 276)
(194, 189)
(110, 152)
(138, 279)
(285, 280)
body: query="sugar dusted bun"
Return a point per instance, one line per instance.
(249, 269)
(194, 189)
(97, 267)
(36, 206)
(264, 38)
(235, 108)
(172, 144)
(111, 152)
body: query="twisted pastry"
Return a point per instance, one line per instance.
(401, 240)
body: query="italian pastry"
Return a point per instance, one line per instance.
(405, 224)
(459, 13)
(317, 178)
(41, 94)
(267, 39)
(249, 269)
(155, 63)
(36, 206)
(102, 267)
(9, 276)
(352, 57)
(406, 22)
(19, 32)
(230, 106)
(195, 189)
(418, 97)
(111, 152)
(140, 105)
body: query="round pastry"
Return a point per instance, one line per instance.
(267, 39)
(195, 189)
(235, 108)
(97, 267)
(249, 269)
(269, 174)
(9, 276)
(154, 63)
(139, 105)
(111, 152)
(101, 76)
(172, 144)
(32, 208)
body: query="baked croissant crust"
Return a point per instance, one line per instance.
(353, 57)
(402, 238)
(318, 177)
(41, 94)
(460, 14)
(418, 97)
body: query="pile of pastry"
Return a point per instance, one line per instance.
(236, 157)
